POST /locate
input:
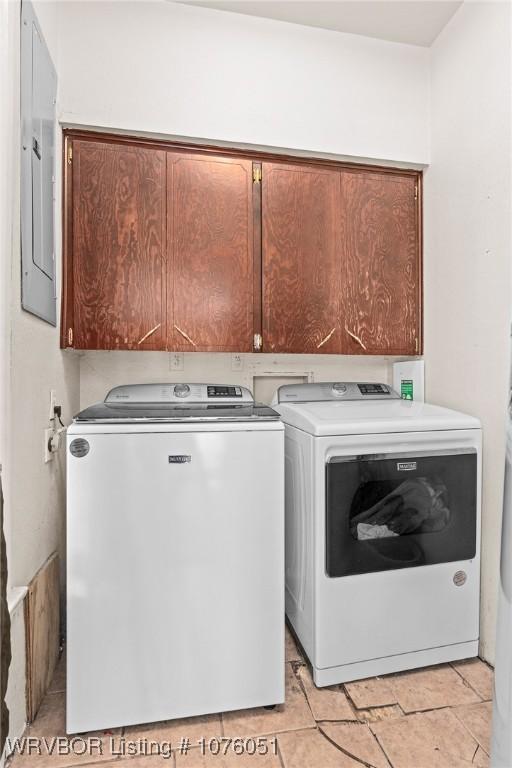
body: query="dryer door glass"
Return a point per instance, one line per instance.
(399, 511)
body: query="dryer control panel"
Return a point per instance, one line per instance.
(334, 390)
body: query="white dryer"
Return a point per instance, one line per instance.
(175, 562)
(382, 503)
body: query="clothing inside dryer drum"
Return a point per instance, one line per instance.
(402, 511)
(382, 509)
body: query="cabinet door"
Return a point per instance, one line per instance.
(381, 263)
(301, 261)
(118, 237)
(210, 250)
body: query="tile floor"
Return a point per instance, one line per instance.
(438, 717)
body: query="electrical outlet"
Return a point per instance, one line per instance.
(48, 455)
(176, 361)
(237, 362)
(53, 403)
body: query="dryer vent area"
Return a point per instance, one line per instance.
(440, 715)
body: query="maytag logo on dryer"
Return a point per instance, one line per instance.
(407, 466)
(180, 459)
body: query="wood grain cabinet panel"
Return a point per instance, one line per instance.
(301, 261)
(381, 263)
(118, 237)
(177, 248)
(210, 251)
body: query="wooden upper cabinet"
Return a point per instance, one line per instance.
(115, 288)
(210, 253)
(301, 273)
(381, 263)
(168, 247)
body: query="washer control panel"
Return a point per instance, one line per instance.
(175, 393)
(214, 390)
(334, 390)
(374, 389)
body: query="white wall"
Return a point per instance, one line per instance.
(34, 493)
(15, 696)
(468, 248)
(178, 70)
(100, 371)
(32, 365)
(6, 220)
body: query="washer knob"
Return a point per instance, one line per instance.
(339, 389)
(182, 390)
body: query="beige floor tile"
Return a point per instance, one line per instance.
(192, 728)
(292, 715)
(431, 688)
(477, 719)
(358, 740)
(481, 759)
(292, 652)
(374, 692)
(50, 724)
(453, 737)
(310, 749)
(426, 740)
(478, 674)
(326, 703)
(58, 683)
(195, 759)
(378, 713)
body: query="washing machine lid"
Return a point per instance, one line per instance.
(348, 408)
(142, 403)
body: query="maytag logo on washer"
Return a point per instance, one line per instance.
(407, 466)
(79, 447)
(180, 459)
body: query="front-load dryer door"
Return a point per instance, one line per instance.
(397, 540)
(400, 510)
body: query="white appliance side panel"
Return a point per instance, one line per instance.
(299, 534)
(375, 615)
(175, 576)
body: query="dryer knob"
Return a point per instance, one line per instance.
(182, 390)
(339, 389)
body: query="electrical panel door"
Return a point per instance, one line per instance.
(38, 118)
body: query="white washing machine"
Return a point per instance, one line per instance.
(175, 561)
(382, 503)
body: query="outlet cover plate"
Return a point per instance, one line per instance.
(237, 362)
(176, 361)
(48, 455)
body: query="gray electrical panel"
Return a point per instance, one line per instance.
(38, 128)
